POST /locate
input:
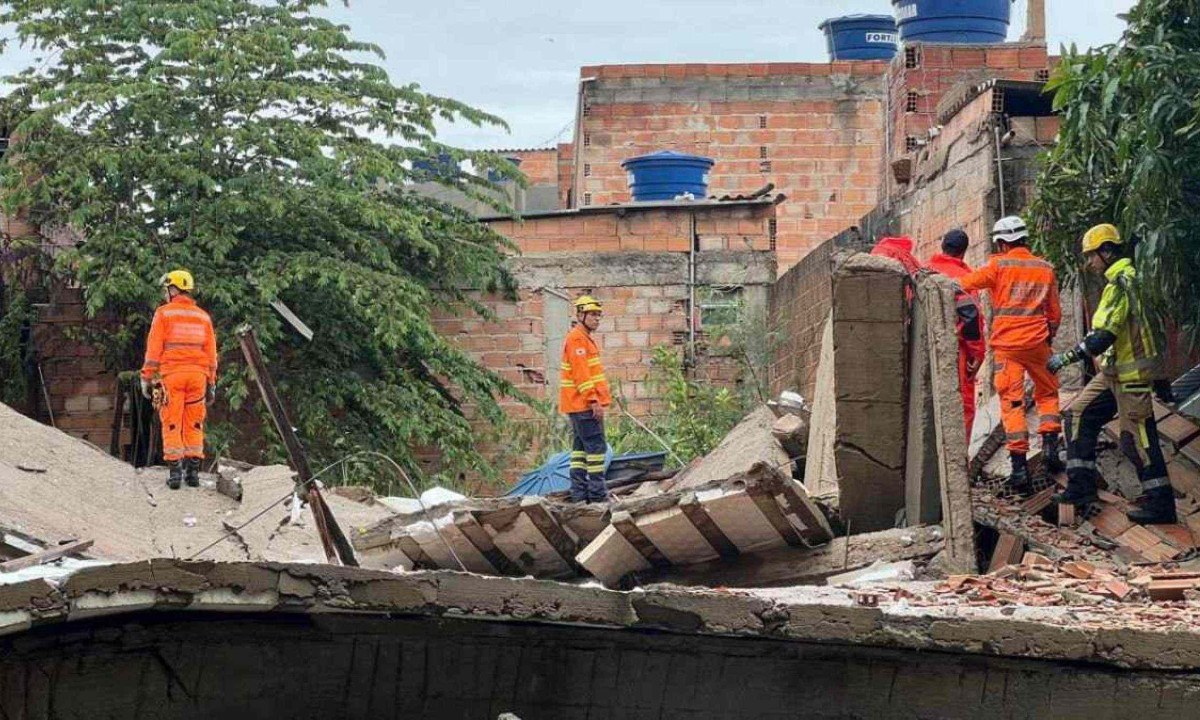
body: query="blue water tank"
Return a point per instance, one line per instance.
(860, 37)
(952, 21)
(666, 175)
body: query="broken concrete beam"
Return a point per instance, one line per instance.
(789, 566)
(922, 486)
(936, 294)
(529, 542)
(820, 468)
(749, 443)
(610, 557)
(792, 433)
(869, 358)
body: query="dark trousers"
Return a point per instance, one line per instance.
(587, 458)
(1103, 399)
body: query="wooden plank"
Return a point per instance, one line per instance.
(1178, 430)
(610, 557)
(694, 511)
(629, 530)
(766, 504)
(46, 556)
(477, 536)
(1009, 551)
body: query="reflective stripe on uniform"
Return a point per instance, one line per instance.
(1050, 418)
(1157, 482)
(1018, 311)
(1016, 435)
(1012, 262)
(1077, 464)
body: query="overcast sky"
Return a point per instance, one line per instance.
(520, 59)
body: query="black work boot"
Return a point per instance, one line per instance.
(1156, 507)
(191, 471)
(175, 479)
(1051, 449)
(1081, 490)
(1018, 481)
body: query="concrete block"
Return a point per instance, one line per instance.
(792, 433)
(870, 360)
(922, 488)
(95, 604)
(820, 470)
(874, 428)
(936, 294)
(229, 600)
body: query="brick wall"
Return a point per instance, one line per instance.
(81, 390)
(799, 304)
(814, 130)
(540, 166)
(728, 226)
(916, 94)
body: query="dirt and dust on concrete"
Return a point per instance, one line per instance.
(54, 487)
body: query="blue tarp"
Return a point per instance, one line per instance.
(555, 474)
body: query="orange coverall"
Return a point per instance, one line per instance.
(971, 352)
(1025, 317)
(183, 349)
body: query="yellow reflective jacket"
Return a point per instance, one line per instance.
(1136, 356)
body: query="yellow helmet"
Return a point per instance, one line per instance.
(181, 279)
(1100, 234)
(587, 303)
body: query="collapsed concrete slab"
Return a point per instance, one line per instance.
(750, 442)
(870, 346)
(731, 519)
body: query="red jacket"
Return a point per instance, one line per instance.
(898, 248)
(970, 312)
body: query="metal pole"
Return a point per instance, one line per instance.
(999, 170)
(337, 547)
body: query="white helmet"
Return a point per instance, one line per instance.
(1010, 229)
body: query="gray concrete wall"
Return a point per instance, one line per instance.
(181, 666)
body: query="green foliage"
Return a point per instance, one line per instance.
(697, 415)
(1129, 153)
(15, 312)
(251, 143)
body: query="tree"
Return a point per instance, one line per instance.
(1128, 153)
(251, 143)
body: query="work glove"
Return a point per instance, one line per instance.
(210, 395)
(1063, 359)
(1162, 391)
(147, 389)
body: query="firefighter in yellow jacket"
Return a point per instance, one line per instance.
(583, 397)
(1127, 343)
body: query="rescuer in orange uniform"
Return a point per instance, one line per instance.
(583, 396)
(900, 249)
(1025, 317)
(181, 350)
(971, 347)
